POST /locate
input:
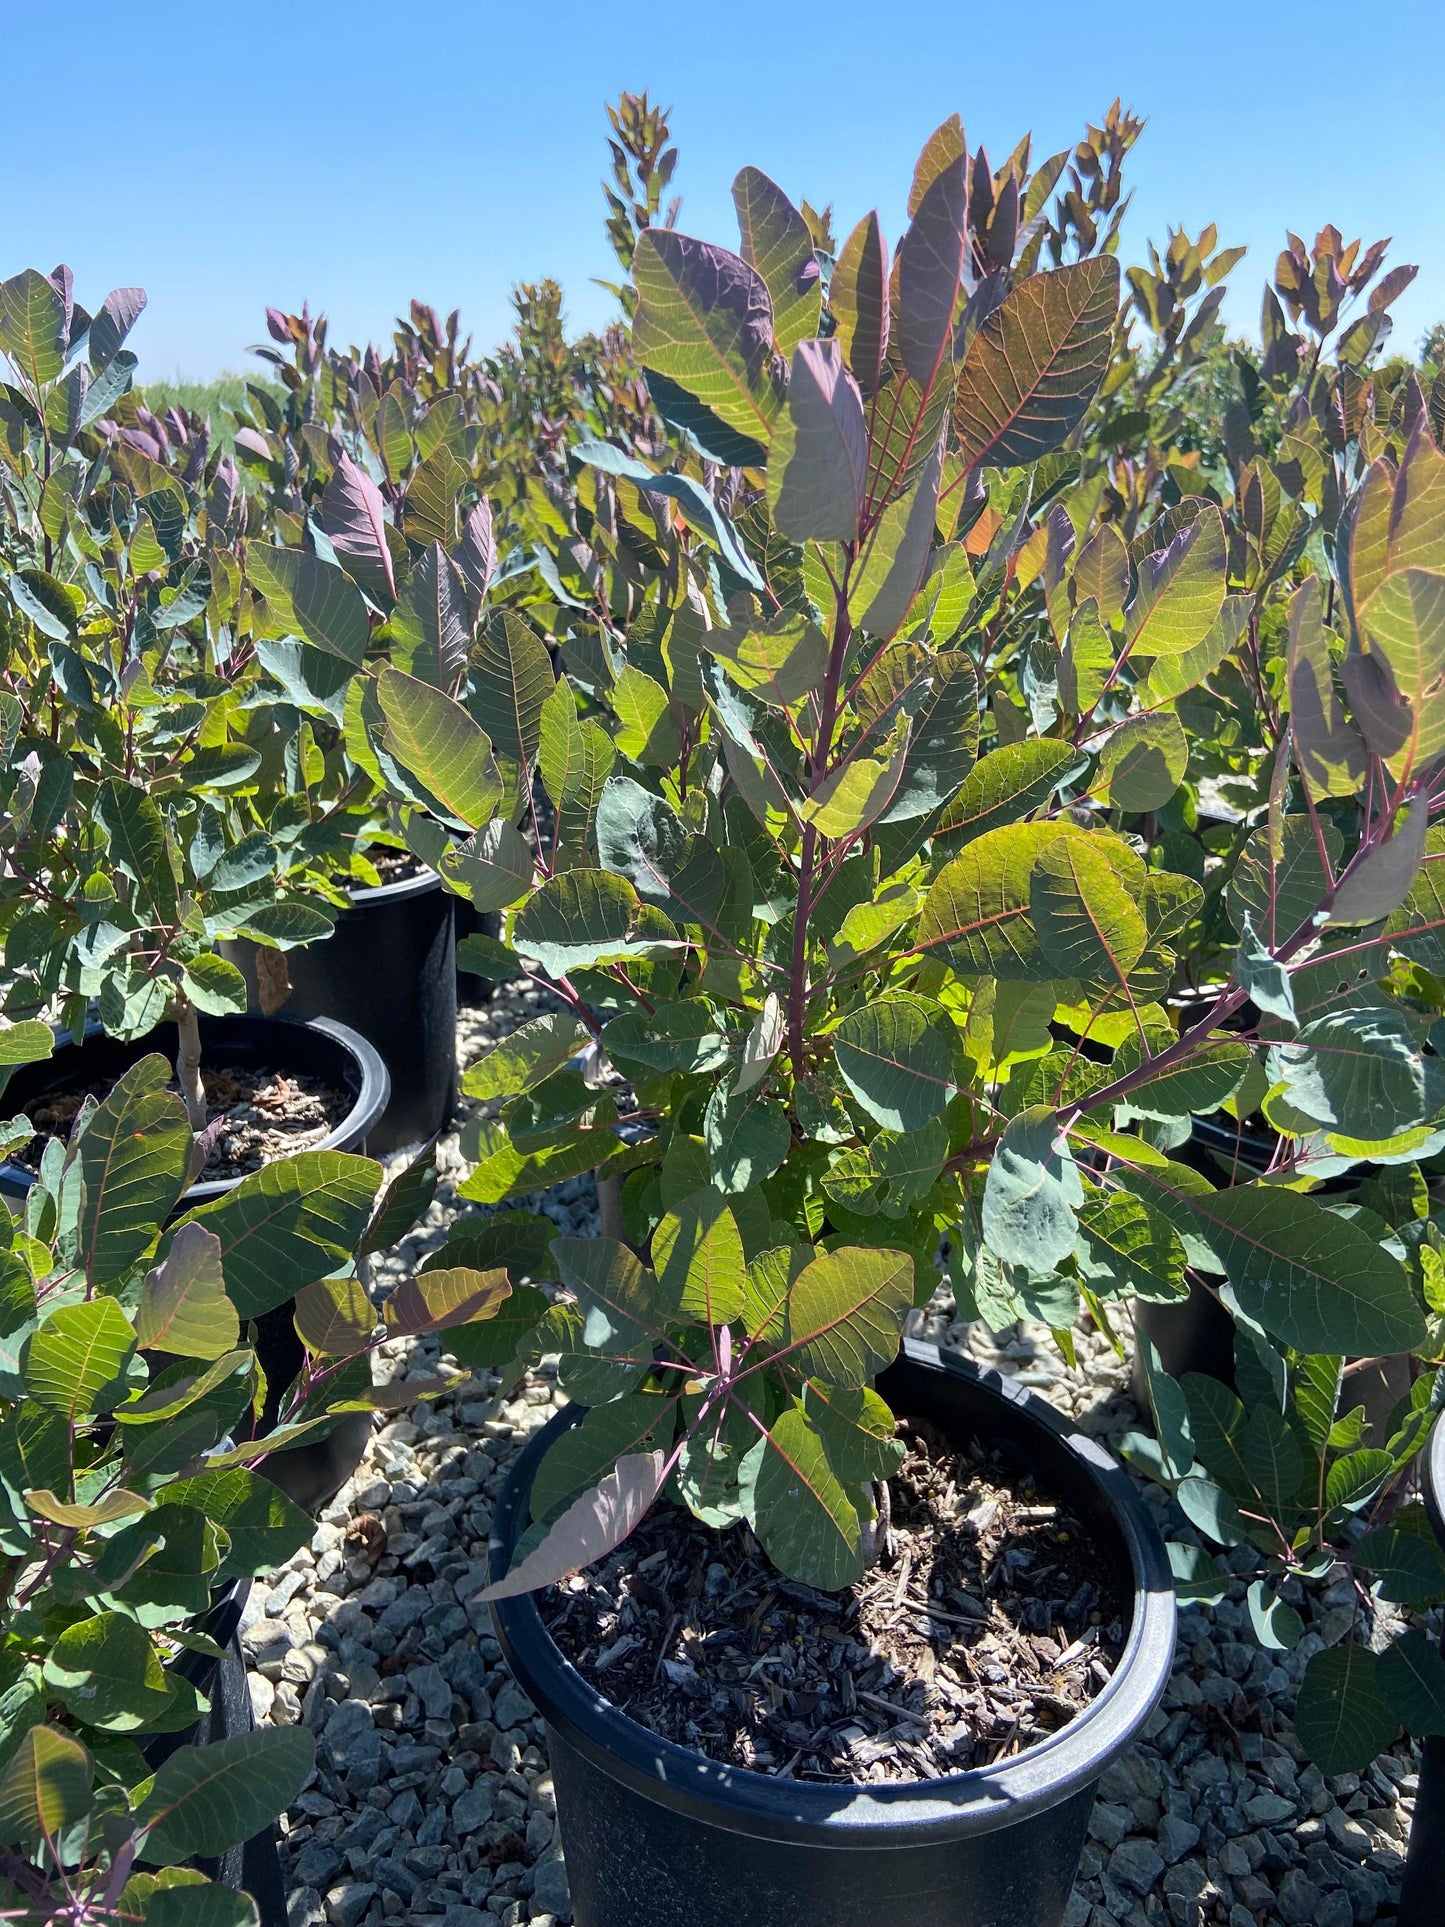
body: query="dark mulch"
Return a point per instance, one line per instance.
(256, 1116)
(991, 1622)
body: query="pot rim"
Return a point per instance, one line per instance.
(364, 895)
(861, 1815)
(348, 1134)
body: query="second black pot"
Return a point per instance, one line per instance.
(253, 1866)
(658, 1836)
(313, 1472)
(388, 970)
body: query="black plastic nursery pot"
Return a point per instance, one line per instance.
(473, 988)
(658, 1836)
(313, 1472)
(1425, 1860)
(388, 971)
(254, 1866)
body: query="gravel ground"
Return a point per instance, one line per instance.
(432, 1801)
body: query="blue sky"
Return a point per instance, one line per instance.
(356, 154)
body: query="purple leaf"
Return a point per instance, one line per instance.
(476, 554)
(930, 265)
(819, 469)
(353, 516)
(589, 1528)
(118, 314)
(858, 297)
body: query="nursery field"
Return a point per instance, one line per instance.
(721, 1124)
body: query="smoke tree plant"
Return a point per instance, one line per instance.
(161, 794)
(130, 1432)
(860, 964)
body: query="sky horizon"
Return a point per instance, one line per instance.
(237, 162)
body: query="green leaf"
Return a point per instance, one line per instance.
(1272, 1457)
(437, 741)
(584, 1453)
(136, 832)
(1128, 1247)
(1180, 591)
(942, 704)
(1358, 1071)
(1173, 676)
(511, 679)
(896, 1170)
(895, 1055)
(698, 1252)
(50, 605)
(683, 1036)
(747, 1137)
(649, 730)
(492, 867)
(782, 660)
(135, 1157)
(215, 985)
(44, 1790)
(1142, 762)
(1411, 1675)
(334, 1317)
(105, 1671)
(25, 1043)
(704, 321)
(443, 1297)
(199, 1903)
(894, 559)
(615, 1290)
(1407, 1568)
(1281, 894)
(205, 1799)
(1197, 1084)
(1198, 1575)
(1034, 366)
(978, 911)
(431, 624)
(1088, 924)
(858, 299)
(1309, 1276)
(844, 1313)
(310, 598)
(264, 1527)
(1277, 1627)
(1006, 786)
(527, 1055)
(857, 1430)
(1170, 1407)
(584, 917)
(75, 1363)
(288, 1223)
(860, 790)
(183, 1304)
(818, 467)
(807, 1522)
(1404, 621)
(32, 325)
(1031, 1193)
(1342, 1718)
(1328, 748)
(1355, 1479)
(776, 243)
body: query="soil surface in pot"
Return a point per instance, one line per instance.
(255, 1117)
(991, 1623)
(393, 866)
